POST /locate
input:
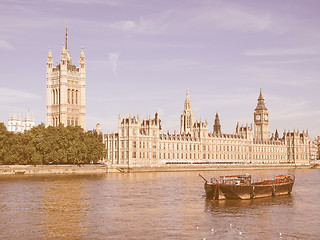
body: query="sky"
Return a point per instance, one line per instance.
(143, 55)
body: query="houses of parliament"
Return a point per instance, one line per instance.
(140, 142)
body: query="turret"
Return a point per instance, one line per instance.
(63, 58)
(82, 63)
(49, 61)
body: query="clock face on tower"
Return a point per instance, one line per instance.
(266, 117)
(258, 117)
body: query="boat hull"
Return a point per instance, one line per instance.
(213, 191)
(228, 191)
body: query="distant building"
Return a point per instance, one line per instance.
(141, 142)
(315, 149)
(66, 94)
(18, 124)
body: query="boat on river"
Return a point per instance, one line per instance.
(243, 187)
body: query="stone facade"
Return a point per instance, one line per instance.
(66, 93)
(141, 142)
(315, 149)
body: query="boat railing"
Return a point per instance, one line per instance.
(234, 179)
(247, 180)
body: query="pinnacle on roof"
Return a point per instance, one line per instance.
(49, 53)
(49, 59)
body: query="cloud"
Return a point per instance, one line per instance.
(283, 51)
(4, 45)
(143, 25)
(8, 95)
(114, 58)
(102, 2)
(284, 62)
(233, 18)
(200, 17)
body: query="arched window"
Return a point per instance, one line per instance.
(57, 97)
(68, 122)
(68, 95)
(72, 96)
(76, 96)
(72, 121)
(53, 96)
(76, 121)
(53, 121)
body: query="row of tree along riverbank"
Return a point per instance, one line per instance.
(51, 145)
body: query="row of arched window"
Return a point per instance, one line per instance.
(56, 96)
(55, 121)
(73, 96)
(72, 121)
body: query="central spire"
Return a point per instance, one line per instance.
(187, 117)
(187, 102)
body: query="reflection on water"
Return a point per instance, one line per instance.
(254, 218)
(236, 205)
(63, 208)
(164, 205)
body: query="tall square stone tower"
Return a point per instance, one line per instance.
(66, 90)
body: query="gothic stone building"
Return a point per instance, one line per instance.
(66, 90)
(18, 124)
(141, 142)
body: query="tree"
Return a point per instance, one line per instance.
(51, 145)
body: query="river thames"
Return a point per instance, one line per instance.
(161, 205)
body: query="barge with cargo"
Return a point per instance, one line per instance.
(243, 187)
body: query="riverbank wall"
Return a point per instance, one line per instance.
(202, 167)
(51, 169)
(102, 169)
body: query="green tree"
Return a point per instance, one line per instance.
(51, 145)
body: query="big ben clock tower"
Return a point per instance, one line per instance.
(261, 120)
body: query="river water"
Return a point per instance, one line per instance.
(162, 205)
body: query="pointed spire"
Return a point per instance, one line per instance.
(217, 125)
(49, 53)
(63, 51)
(261, 104)
(217, 120)
(187, 102)
(82, 53)
(82, 56)
(276, 134)
(49, 59)
(260, 95)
